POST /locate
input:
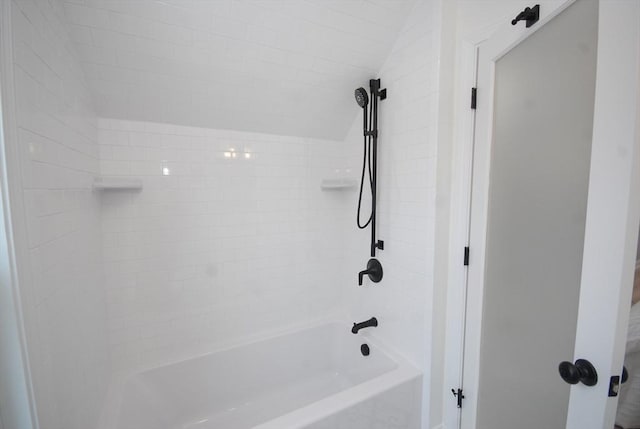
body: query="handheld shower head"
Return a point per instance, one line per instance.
(361, 97)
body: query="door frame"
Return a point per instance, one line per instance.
(461, 181)
(17, 399)
(462, 170)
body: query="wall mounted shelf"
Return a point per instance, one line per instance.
(343, 183)
(105, 183)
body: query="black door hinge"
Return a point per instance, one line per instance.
(459, 396)
(474, 97)
(466, 256)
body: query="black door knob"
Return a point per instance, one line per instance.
(581, 371)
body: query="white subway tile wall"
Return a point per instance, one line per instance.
(64, 304)
(277, 66)
(230, 237)
(406, 192)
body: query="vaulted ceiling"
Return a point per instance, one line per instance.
(273, 66)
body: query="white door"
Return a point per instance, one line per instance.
(555, 210)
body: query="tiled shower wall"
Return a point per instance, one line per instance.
(60, 258)
(230, 237)
(407, 158)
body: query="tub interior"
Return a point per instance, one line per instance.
(244, 386)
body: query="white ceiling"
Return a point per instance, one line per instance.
(273, 66)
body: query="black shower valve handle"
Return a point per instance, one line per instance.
(374, 271)
(361, 276)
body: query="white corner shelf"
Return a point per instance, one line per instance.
(338, 184)
(105, 183)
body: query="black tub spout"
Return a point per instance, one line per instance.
(373, 322)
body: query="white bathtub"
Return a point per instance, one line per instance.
(315, 378)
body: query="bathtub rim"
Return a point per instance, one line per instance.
(343, 400)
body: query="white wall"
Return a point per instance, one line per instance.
(277, 66)
(220, 249)
(57, 221)
(406, 195)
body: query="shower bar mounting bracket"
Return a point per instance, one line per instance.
(374, 86)
(377, 245)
